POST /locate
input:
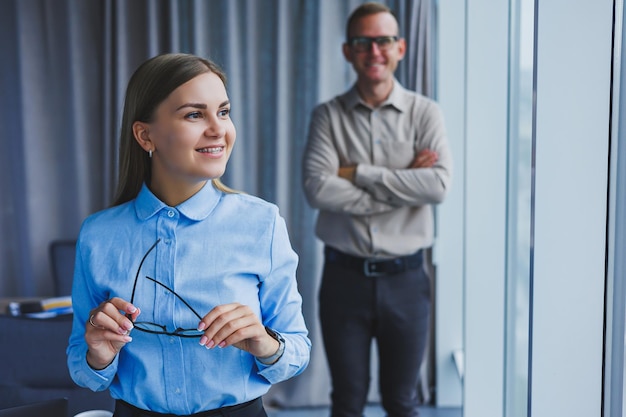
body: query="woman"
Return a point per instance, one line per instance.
(185, 298)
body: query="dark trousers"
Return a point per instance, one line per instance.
(252, 408)
(394, 310)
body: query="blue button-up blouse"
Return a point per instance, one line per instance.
(214, 248)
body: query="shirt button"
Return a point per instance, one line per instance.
(177, 391)
(170, 213)
(171, 340)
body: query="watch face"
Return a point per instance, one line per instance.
(273, 334)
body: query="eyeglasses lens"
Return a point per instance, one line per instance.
(364, 44)
(159, 329)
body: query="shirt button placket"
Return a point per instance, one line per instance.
(171, 381)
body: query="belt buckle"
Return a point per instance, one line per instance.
(368, 271)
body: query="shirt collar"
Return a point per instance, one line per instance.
(198, 207)
(396, 99)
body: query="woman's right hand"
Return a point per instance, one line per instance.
(107, 331)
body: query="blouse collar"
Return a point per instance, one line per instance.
(197, 207)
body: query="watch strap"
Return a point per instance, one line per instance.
(270, 360)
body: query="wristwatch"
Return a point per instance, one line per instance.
(270, 360)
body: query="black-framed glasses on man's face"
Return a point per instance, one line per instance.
(364, 43)
(150, 327)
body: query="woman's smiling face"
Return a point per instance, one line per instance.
(191, 134)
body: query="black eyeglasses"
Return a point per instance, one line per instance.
(364, 43)
(150, 327)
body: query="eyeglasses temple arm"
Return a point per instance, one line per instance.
(177, 296)
(132, 297)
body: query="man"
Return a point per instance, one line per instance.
(376, 161)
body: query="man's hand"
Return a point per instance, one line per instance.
(425, 159)
(347, 173)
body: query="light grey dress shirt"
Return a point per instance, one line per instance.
(388, 211)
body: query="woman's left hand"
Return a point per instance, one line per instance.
(236, 325)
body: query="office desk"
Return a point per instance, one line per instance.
(33, 365)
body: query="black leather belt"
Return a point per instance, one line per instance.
(375, 267)
(250, 408)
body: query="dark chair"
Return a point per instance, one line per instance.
(33, 365)
(62, 255)
(51, 408)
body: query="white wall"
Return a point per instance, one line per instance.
(572, 135)
(571, 167)
(485, 241)
(470, 252)
(448, 253)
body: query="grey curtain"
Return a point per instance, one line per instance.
(64, 70)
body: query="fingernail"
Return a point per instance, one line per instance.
(222, 344)
(132, 309)
(201, 326)
(203, 340)
(210, 344)
(128, 339)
